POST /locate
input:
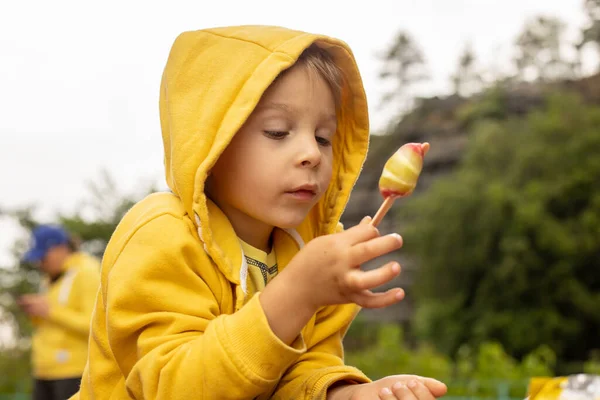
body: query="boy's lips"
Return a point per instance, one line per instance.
(304, 192)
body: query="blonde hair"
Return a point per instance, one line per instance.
(318, 60)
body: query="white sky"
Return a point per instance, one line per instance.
(86, 75)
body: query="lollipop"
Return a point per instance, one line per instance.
(400, 175)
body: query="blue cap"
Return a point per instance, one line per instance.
(44, 238)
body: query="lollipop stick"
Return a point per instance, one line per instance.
(385, 207)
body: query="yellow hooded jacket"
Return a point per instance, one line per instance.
(60, 341)
(175, 319)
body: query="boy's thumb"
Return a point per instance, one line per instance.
(365, 220)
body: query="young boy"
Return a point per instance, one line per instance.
(210, 292)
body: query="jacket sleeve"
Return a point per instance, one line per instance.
(84, 288)
(323, 364)
(166, 330)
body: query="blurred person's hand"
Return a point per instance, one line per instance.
(35, 305)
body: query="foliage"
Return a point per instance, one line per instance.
(475, 371)
(466, 80)
(509, 243)
(404, 65)
(540, 49)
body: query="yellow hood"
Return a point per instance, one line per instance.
(214, 79)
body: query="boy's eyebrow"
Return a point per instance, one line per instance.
(278, 106)
(286, 108)
(332, 118)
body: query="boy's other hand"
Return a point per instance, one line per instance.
(328, 270)
(395, 387)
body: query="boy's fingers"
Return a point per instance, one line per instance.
(368, 299)
(358, 280)
(386, 394)
(420, 391)
(365, 220)
(436, 387)
(360, 233)
(401, 391)
(378, 246)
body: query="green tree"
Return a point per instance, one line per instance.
(99, 213)
(404, 66)
(466, 80)
(591, 33)
(540, 50)
(508, 244)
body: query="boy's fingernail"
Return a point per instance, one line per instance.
(400, 294)
(398, 385)
(412, 384)
(397, 236)
(386, 391)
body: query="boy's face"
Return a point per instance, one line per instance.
(279, 163)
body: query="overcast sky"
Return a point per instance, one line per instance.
(87, 75)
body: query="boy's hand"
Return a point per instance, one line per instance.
(395, 387)
(328, 272)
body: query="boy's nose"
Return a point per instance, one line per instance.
(310, 153)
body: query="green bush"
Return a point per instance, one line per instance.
(484, 371)
(16, 373)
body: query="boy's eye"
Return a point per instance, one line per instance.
(323, 141)
(276, 134)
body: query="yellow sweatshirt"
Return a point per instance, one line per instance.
(59, 343)
(176, 318)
